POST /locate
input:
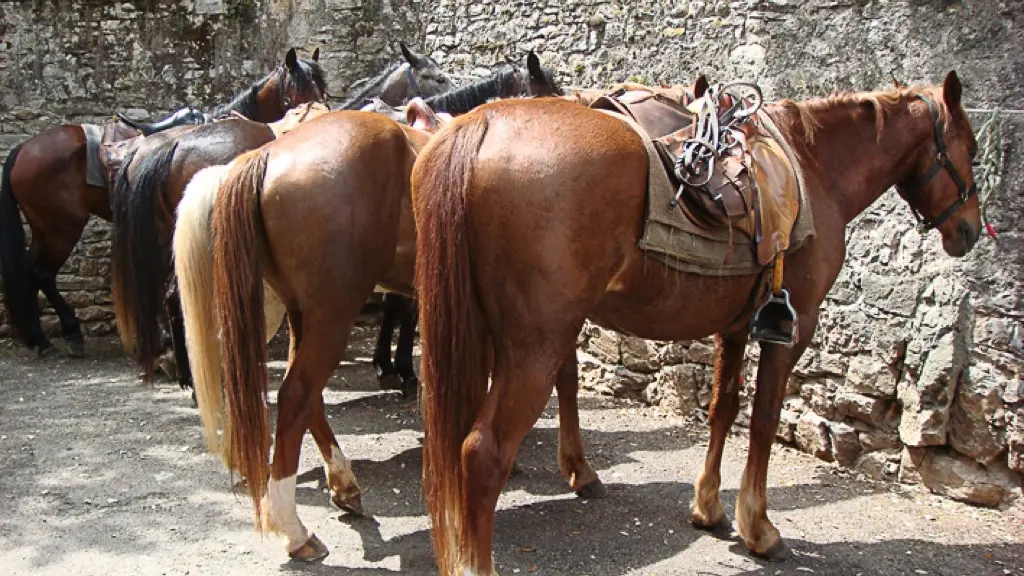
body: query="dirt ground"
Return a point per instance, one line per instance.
(100, 474)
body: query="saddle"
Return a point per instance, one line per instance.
(120, 136)
(732, 172)
(750, 187)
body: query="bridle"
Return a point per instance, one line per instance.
(941, 161)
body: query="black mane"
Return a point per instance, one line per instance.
(308, 74)
(358, 100)
(461, 100)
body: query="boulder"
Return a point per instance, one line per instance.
(675, 388)
(926, 402)
(977, 427)
(845, 443)
(638, 354)
(863, 408)
(880, 465)
(812, 436)
(961, 478)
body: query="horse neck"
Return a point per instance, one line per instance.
(853, 160)
(502, 84)
(268, 104)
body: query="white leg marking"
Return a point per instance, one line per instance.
(281, 514)
(339, 471)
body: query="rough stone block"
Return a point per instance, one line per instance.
(812, 436)
(961, 478)
(639, 354)
(977, 428)
(845, 443)
(863, 408)
(674, 387)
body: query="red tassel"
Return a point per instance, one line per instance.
(991, 231)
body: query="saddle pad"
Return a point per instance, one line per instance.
(670, 237)
(94, 172)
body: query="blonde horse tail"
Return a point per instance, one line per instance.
(454, 334)
(193, 264)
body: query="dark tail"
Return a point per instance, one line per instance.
(453, 333)
(141, 261)
(21, 295)
(238, 302)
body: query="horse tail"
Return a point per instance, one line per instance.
(21, 298)
(454, 334)
(238, 301)
(140, 262)
(193, 265)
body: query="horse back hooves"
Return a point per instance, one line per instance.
(49, 351)
(778, 552)
(722, 528)
(593, 491)
(76, 349)
(312, 551)
(390, 382)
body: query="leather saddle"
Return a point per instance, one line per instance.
(752, 186)
(121, 135)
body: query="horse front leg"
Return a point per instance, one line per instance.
(707, 511)
(776, 364)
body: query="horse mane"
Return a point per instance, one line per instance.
(882, 103)
(356, 101)
(464, 99)
(246, 102)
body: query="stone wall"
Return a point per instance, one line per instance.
(915, 370)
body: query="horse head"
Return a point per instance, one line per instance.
(940, 185)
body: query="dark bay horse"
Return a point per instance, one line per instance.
(528, 215)
(150, 187)
(343, 179)
(45, 177)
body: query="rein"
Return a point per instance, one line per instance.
(941, 161)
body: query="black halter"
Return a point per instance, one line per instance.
(941, 161)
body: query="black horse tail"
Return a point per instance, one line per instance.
(21, 294)
(141, 263)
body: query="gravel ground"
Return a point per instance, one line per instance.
(100, 474)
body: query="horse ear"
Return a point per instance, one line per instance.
(700, 86)
(414, 60)
(316, 54)
(896, 82)
(952, 90)
(533, 65)
(510, 61)
(290, 59)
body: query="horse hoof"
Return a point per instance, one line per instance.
(410, 388)
(48, 352)
(312, 551)
(168, 367)
(350, 503)
(776, 552)
(390, 382)
(593, 491)
(723, 527)
(76, 349)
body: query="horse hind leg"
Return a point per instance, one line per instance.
(387, 375)
(403, 352)
(571, 458)
(345, 491)
(315, 354)
(707, 511)
(70, 327)
(489, 451)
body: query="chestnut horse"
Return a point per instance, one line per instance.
(528, 215)
(344, 178)
(45, 177)
(151, 185)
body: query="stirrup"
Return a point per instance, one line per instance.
(775, 321)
